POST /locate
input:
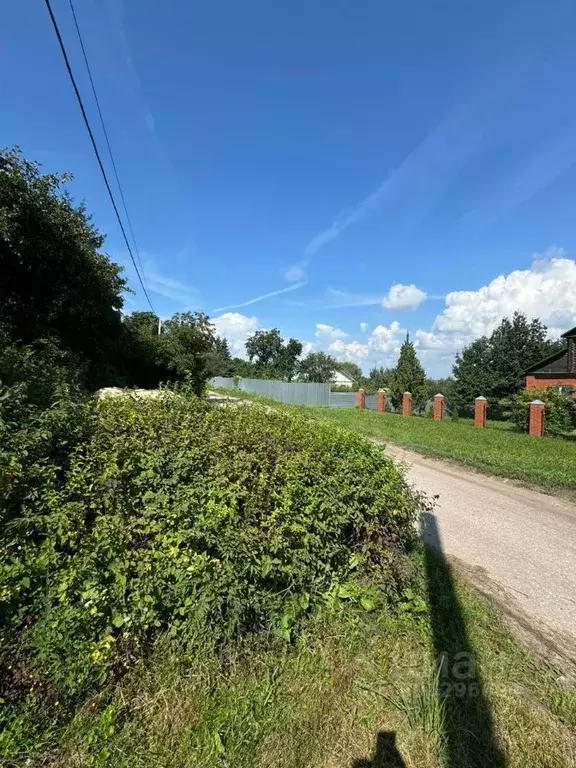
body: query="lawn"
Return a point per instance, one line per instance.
(548, 462)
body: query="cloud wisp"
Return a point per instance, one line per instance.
(170, 288)
(415, 186)
(537, 173)
(420, 180)
(263, 297)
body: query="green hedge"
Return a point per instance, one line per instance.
(560, 410)
(186, 520)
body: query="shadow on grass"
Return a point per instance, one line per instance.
(470, 740)
(385, 754)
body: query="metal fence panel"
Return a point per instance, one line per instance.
(284, 391)
(223, 382)
(342, 400)
(370, 402)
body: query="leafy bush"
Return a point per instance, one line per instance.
(201, 523)
(560, 410)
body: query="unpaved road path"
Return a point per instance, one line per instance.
(516, 544)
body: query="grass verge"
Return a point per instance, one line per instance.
(359, 690)
(547, 462)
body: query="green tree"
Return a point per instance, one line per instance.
(472, 375)
(143, 359)
(378, 378)
(243, 368)
(263, 347)
(219, 362)
(408, 376)
(56, 283)
(318, 367)
(273, 357)
(186, 342)
(286, 364)
(443, 386)
(493, 366)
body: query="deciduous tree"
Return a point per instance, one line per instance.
(318, 367)
(273, 357)
(56, 281)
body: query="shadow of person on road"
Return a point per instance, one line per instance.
(385, 755)
(469, 734)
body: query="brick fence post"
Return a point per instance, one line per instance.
(536, 426)
(438, 407)
(407, 404)
(381, 400)
(360, 399)
(480, 405)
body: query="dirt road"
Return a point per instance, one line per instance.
(516, 544)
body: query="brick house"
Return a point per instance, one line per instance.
(557, 370)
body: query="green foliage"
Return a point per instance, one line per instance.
(317, 367)
(135, 517)
(219, 361)
(408, 376)
(186, 342)
(493, 366)
(378, 378)
(272, 356)
(56, 282)
(560, 410)
(440, 386)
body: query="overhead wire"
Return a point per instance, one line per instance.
(105, 132)
(95, 146)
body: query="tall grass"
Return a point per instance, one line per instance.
(322, 703)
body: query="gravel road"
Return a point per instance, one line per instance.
(516, 544)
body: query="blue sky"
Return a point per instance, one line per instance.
(368, 168)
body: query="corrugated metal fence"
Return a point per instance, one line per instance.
(348, 400)
(297, 392)
(283, 391)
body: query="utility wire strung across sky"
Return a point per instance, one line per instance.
(103, 124)
(94, 145)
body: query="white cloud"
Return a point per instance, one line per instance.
(547, 290)
(352, 351)
(380, 348)
(363, 327)
(324, 331)
(385, 339)
(404, 297)
(235, 328)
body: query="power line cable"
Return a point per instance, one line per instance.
(94, 145)
(103, 124)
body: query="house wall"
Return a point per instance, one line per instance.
(533, 381)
